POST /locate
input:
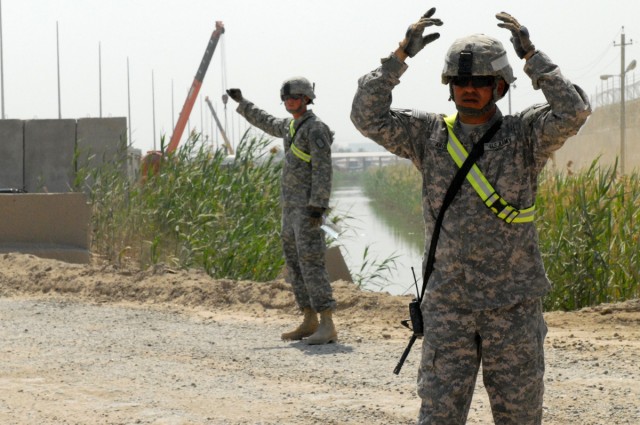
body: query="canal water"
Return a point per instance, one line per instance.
(365, 228)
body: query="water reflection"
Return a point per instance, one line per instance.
(384, 237)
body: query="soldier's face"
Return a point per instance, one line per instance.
(295, 104)
(471, 95)
(476, 93)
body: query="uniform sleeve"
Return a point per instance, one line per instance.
(276, 127)
(371, 111)
(320, 140)
(567, 110)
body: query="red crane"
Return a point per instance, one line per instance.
(153, 158)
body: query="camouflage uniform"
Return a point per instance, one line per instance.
(482, 301)
(303, 184)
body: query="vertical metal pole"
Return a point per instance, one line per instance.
(1, 65)
(58, 56)
(129, 101)
(100, 76)
(601, 98)
(153, 109)
(173, 120)
(622, 106)
(214, 136)
(217, 136)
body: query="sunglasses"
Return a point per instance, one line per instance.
(285, 97)
(476, 82)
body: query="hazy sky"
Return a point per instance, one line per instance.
(331, 42)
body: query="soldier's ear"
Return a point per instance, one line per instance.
(502, 87)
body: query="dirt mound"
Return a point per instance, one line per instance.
(27, 274)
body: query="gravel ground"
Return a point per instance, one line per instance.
(89, 345)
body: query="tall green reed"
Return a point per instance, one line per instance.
(201, 210)
(589, 225)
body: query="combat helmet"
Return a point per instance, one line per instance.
(477, 54)
(297, 85)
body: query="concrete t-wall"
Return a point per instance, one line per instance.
(44, 157)
(12, 154)
(39, 155)
(48, 155)
(101, 140)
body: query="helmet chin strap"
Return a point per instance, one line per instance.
(475, 112)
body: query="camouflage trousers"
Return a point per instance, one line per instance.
(508, 342)
(304, 250)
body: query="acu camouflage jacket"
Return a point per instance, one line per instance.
(482, 262)
(304, 183)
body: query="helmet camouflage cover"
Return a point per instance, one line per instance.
(297, 85)
(477, 55)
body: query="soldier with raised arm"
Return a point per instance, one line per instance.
(305, 193)
(482, 302)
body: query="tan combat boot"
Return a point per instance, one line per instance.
(326, 332)
(308, 327)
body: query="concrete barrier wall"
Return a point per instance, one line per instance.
(49, 225)
(40, 155)
(101, 140)
(48, 155)
(44, 158)
(12, 154)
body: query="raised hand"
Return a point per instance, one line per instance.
(414, 40)
(519, 35)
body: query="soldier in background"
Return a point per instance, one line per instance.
(306, 189)
(482, 303)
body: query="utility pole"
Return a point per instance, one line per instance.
(129, 102)
(153, 109)
(58, 55)
(173, 120)
(100, 77)
(623, 71)
(1, 66)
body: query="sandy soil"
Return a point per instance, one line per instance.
(87, 344)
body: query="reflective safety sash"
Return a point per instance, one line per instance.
(496, 203)
(297, 151)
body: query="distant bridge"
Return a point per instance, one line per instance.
(356, 161)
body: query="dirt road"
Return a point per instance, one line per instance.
(94, 345)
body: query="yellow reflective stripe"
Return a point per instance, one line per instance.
(300, 154)
(292, 129)
(297, 151)
(475, 176)
(482, 186)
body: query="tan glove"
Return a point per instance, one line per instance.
(413, 40)
(519, 35)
